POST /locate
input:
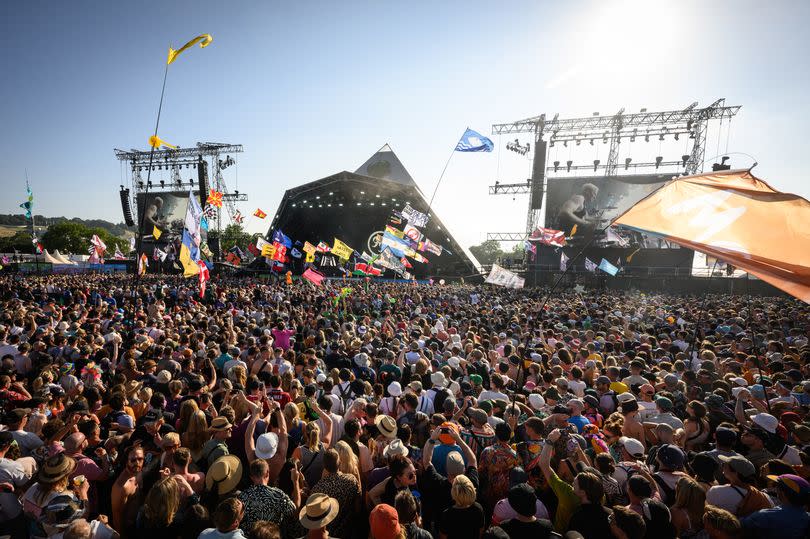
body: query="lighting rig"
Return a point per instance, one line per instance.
(518, 148)
(691, 123)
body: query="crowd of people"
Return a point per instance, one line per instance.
(134, 408)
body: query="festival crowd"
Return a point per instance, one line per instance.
(134, 408)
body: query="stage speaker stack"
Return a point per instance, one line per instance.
(202, 180)
(125, 207)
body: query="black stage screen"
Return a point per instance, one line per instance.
(167, 211)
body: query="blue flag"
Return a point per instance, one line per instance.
(295, 253)
(472, 141)
(608, 268)
(280, 237)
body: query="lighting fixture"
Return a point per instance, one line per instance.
(595, 164)
(568, 165)
(556, 165)
(647, 137)
(658, 161)
(565, 143)
(684, 159)
(627, 162)
(661, 136)
(677, 136)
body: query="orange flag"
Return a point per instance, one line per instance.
(736, 217)
(259, 213)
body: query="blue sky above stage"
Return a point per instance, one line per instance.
(314, 88)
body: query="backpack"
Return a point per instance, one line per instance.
(667, 492)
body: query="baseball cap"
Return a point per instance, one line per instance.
(454, 464)
(632, 446)
(671, 456)
(384, 522)
(792, 482)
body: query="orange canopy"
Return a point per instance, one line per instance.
(736, 217)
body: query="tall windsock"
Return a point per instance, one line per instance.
(736, 217)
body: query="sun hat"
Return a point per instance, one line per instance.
(454, 464)
(225, 473)
(55, 468)
(415, 386)
(266, 445)
(319, 511)
(438, 379)
(386, 425)
(671, 456)
(396, 447)
(394, 389)
(164, 377)
(133, 386)
(384, 522)
(220, 423)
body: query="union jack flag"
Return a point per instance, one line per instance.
(548, 236)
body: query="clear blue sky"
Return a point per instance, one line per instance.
(312, 88)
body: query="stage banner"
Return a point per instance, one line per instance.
(341, 250)
(502, 277)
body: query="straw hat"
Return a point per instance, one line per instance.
(220, 423)
(56, 468)
(225, 473)
(386, 425)
(319, 511)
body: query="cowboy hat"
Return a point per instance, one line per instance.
(396, 447)
(386, 425)
(225, 473)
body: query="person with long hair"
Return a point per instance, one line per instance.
(695, 426)
(187, 409)
(349, 463)
(687, 511)
(196, 434)
(160, 516)
(310, 453)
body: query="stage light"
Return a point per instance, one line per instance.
(370, 203)
(579, 142)
(627, 162)
(661, 136)
(684, 159)
(658, 161)
(303, 201)
(382, 203)
(310, 206)
(677, 136)
(647, 137)
(320, 205)
(162, 184)
(359, 203)
(689, 125)
(341, 204)
(568, 165)
(633, 136)
(149, 185)
(328, 205)
(604, 137)
(293, 204)
(595, 164)
(591, 141)
(691, 134)
(596, 113)
(331, 193)
(565, 143)
(362, 192)
(551, 144)
(556, 165)
(393, 200)
(318, 197)
(140, 184)
(722, 164)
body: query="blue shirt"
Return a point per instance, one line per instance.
(579, 421)
(784, 522)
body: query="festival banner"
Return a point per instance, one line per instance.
(608, 268)
(590, 265)
(259, 213)
(413, 233)
(309, 248)
(548, 236)
(394, 232)
(414, 217)
(268, 250)
(313, 276)
(502, 277)
(563, 262)
(322, 247)
(310, 258)
(430, 247)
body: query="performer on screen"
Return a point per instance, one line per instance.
(574, 211)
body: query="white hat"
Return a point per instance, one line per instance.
(454, 362)
(456, 339)
(735, 391)
(164, 377)
(361, 359)
(632, 446)
(321, 378)
(766, 421)
(394, 389)
(625, 397)
(740, 381)
(438, 379)
(454, 388)
(266, 445)
(396, 447)
(536, 401)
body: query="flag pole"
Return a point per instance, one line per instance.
(148, 178)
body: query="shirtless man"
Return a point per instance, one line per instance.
(180, 461)
(125, 492)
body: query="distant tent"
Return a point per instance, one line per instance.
(51, 259)
(62, 260)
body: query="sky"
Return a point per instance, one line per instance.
(312, 88)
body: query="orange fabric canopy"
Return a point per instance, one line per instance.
(736, 217)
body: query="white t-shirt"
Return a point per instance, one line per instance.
(577, 387)
(726, 497)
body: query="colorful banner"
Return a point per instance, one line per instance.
(308, 248)
(414, 217)
(502, 277)
(341, 250)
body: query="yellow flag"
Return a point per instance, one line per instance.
(156, 232)
(268, 250)
(341, 250)
(309, 248)
(204, 40)
(156, 142)
(573, 230)
(631, 255)
(310, 257)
